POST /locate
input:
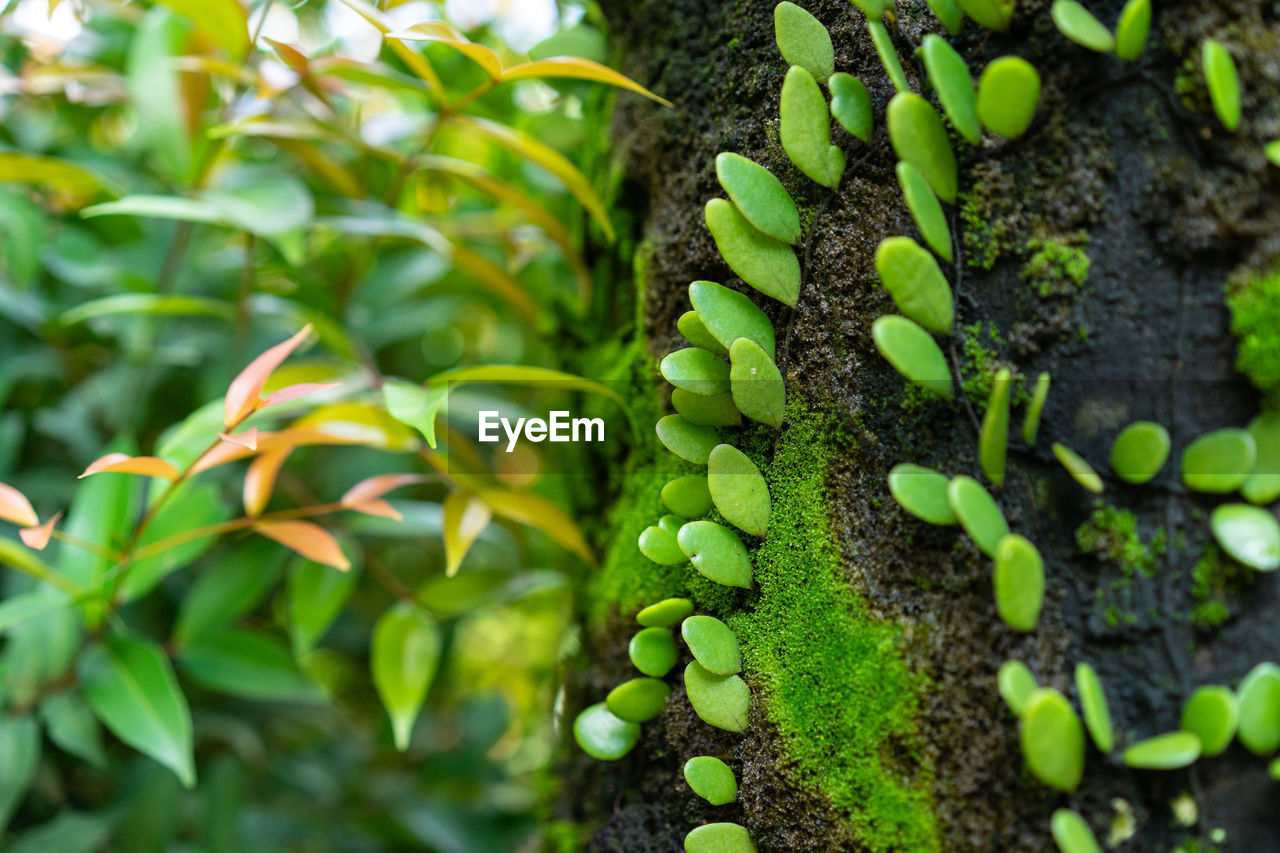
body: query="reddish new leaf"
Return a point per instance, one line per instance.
(310, 540)
(294, 392)
(375, 487)
(15, 508)
(244, 393)
(37, 538)
(123, 463)
(260, 479)
(247, 439)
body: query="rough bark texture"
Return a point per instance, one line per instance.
(1125, 166)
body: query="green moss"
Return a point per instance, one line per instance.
(981, 361)
(1112, 535)
(1056, 268)
(1254, 300)
(1214, 579)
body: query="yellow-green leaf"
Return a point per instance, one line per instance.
(577, 68)
(403, 659)
(224, 22)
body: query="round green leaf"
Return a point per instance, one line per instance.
(738, 489)
(993, 441)
(1078, 24)
(914, 280)
(664, 614)
(1132, 29)
(719, 838)
(919, 138)
(716, 552)
(729, 315)
(687, 496)
(926, 210)
(1016, 684)
(913, 353)
(755, 383)
(703, 410)
(1031, 423)
(1008, 92)
(1219, 462)
(1019, 582)
(719, 700)
(713, 644)
(805, 130)
(768, 265)
(1224, 84)
(403, 658)
(1263, 483)
(1259, 723)
(1140, 452)
(1211, 714)
(671, 524)
(851, 105)
(954, 84)
(922, 492)
(978, 513)
(653, 651)
(696, 333)
(992, 14)
(602, 735)
(888, 55)
(696, 370)
(660, 546)
(1082, 472)
(948, 14)
(803, 40)
(687, 440)
(1249, 534)
(1093, 701)
(1163, 752)
(638, 700)
(1072, 834)
(758, 195)
(711, 779)
(1272, 152)
(1052, 739)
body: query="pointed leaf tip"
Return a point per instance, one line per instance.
(15, 508)
(247, 439)
(36, 538)
(123, 463)
(310, 540)
(243, 393)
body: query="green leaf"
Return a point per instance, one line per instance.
(660, 546)
(803, 40)
(926, 210)
(1093, 701)
(1052, 740)
(664, 614)
(729, 315)
(757, 386)
(131, 687)
(229, 589)
(154, 85)
(919, 138)
(1081, 471)
(1008, 92)
(521, 374)
(1224, 84)
(1163, 752)
(688, 496)
(768, 265)
(1031, 423)
(403, 658)
(415, 406)
(1272, 152)
(713, 644)
(1019, 582)
(687, 440)
(948, 14)
(888, 55)
(703, 410)
(711, 779)
(916, 283)
(72, 726)
(979, 514)
(851, 105)
(1263, 484)
(738, 489)
(695, 332)
(758, 195)
(19, 756)
(248, 664)
(1016, 684)
(1219, 462)
(696, 371)
(954, 84)
(724, 837)
(653, 651)
(1072, 834)
(17, 609)
(315, 596)
(922, 492)
(719, 700)
(190, 506)
(913, 353)
(638, 700)
(69, 832)
(716, 552)
(148, 304)
(1249, 534)
(993, 442)
(805, 130)
(992, 14)
(65, 176)
(602, 735)
(1211, 714)
(873, 9)
(1140, 451)
(1259, 694)
(1132, 29)
(1078, 24)
(224, 22)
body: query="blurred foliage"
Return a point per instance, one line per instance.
(184, 185)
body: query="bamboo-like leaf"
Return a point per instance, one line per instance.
(151, 304)
(37, 538)
(243, 395)
(310, 540)
(17, 167)
(577, 68)
(372, 488)
(537, 511)
(404, 657)
(441, 32)
(416, 62)
(224, 22)
(464, 518)
(260, 480)
(15, 508)
(123, 463)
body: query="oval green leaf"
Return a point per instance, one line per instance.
(696, 370)
(703, 410)
(687, 496)
(1008, 92)
(1163, 752)
(711, 779)
(1132, 29)
(1072, 834)
(803, 40)
(805, 130)
(403, 657)
(687, 440)
(638, 699)
(919, 138)
(954, 84)
(1078, 24)
(759, 196)
(992, 14)
(738, 489)
(1211, 714)
(653, 651)
(1019, 582)
(925, 210)
(1249, 534)
(1223, 82)
(602, 735)
(695, 332)
(716, 552)
(922, 492)
(978, 513)
(768, 265)
(1016, 684)
(1052, 740)
(660, 546)
(713, 644)
(1219, 462)
(1081, 471)
(729, 315)
(664, 614)
(913, 353)
(719, 700)
(1140, 452)
(1031, 423)
(948, 14)
(916, 283)
(755, 383)
(1259, 724)
(1093, 701)
(993, 441)
(1262, 486)
(851, 105)
(719, 838)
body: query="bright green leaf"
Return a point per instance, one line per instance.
(738, 489)
(954, 84)
(1224, 83)
(653, 651)
(1080, 470)
(688, 496)
(729, 315)
(716, 552)
(695, 332)
(913, 353)
(1072, 834)
(1163, 752)
(805, 130)
(696, 370)
(979, 514)
(403, 658)
(665, 613)
(415, 406)
(686, 440)
(992, 14)
(722, 701)
(948, 14)
(1263, 483)
(706, 410)
(638, 700)
(925, 209)
(72, 726)
(922, 492)
(993, 442)
(660, 546)
(711, 779)
(757, 386)
(1008, 92)
(1140, 451)
(851, 105)
(713, 644)
(1093, 701)
(602, 735)
(1259, 722)
(1019, 582)
(803, 40)
(1249, 534)
(768, 265)
(888, 55)
(314, 597)
(1052, 740)
(1078, 24)
(1132, 29)
(1219, 462)
(1031, 423)
(1016, 684)
(1211, 714)
(759, 196)
(919, 138)
(916, 283)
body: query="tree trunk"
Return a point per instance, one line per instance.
(1095, 247)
